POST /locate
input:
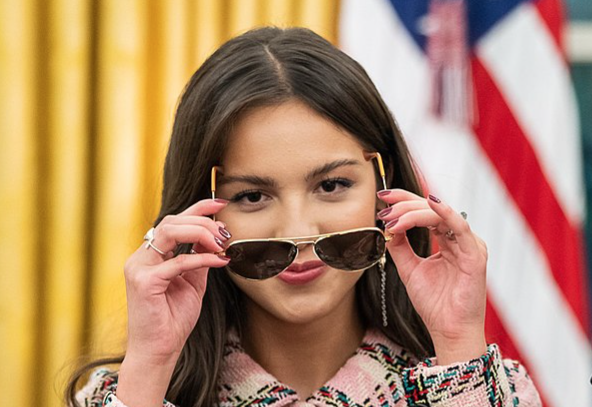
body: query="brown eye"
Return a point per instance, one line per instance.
(329, 186)
(334, 185)
(250, 200)
(253, 197)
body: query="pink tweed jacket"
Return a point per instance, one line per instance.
(379, 373)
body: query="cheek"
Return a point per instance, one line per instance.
(242, 225)
(350, 214)
(254, 290)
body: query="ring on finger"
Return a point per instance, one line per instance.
(149, 238)
(450, 233)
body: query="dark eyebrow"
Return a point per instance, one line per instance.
(248, 179)
(327, 168)
(271, 183)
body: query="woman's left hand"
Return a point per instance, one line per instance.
(447, 289)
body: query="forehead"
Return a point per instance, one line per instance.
(290, 135)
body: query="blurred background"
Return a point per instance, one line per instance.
(87, 97)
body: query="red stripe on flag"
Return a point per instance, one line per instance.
(495, 332)
(551, 12)
(511, 154)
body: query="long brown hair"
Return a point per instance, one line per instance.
(264, 67)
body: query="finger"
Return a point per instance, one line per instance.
(188, 263)
(168, 236)
(455, 222)
(206, 207)
(217, 228)
(392, 196)
(198, 279)
(403, 255)
(198, 248)
(482, 245)
(446, 244)
(424, 218)
(417, 218)
(400, 208)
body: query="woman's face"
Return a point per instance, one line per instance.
(290, 172)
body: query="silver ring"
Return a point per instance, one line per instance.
(149, 238)
(450, 234)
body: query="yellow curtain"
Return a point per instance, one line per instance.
(87, 96)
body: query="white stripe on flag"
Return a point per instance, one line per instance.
(369, 31)
(540, 94)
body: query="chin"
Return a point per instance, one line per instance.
(302, 309)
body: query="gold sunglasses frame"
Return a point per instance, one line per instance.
(306, 240)
(313, 239)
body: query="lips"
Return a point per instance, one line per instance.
(302, 273)
(307, 265)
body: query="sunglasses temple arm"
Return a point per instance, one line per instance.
(213, 185)
(381, 170)
(383, 182)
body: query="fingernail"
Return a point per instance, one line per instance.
(391, 223)
(433, 198)
(225, 233)
(220, 200)
(384, 212)
(223, 257)
(384, 192)
(219, 242)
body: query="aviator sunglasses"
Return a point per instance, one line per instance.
(349, 250)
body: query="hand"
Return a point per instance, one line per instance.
(165, 293)
(447, 289)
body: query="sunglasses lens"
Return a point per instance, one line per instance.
(352, 251)
(260, 260)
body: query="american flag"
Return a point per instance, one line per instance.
(482, 92)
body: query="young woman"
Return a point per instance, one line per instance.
(304, 280)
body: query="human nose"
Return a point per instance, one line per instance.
(296, 220)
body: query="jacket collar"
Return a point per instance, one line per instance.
(376, 361)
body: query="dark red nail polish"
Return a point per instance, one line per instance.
(219, 242)
(433, 198)
(391, 223)
(226, 234)
(220, 200)
(384, 212)
(384, 192)
(223, 257)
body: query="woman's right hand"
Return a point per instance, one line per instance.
(165, 293)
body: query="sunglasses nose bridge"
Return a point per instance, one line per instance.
(304, 242)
